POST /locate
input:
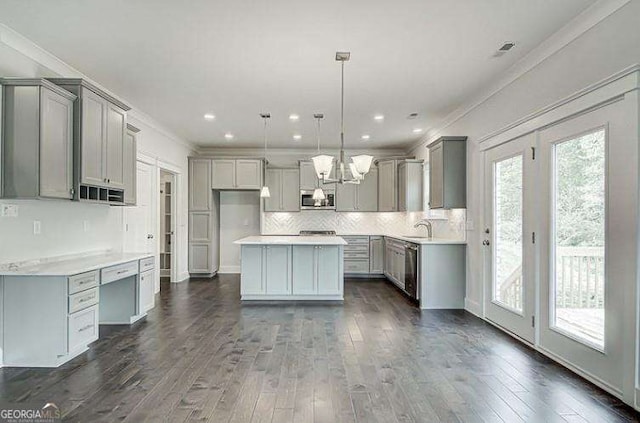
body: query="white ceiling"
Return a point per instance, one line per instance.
(178, 60)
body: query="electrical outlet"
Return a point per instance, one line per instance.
(37, 227)
(9, 210)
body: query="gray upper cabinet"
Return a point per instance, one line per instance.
(100, 124)
(284, 190)
(361, 197)
(448, 173)
(410, 180)
(387, 186)
(200, 184)
(37, 139)
(114, 146)
(308, 177)
(236, 174)
(129, 164)
(367, 192)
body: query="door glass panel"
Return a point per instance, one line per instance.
(507, 265)
(578, 234)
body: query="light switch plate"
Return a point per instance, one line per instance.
(86, 225)
(9, 210)
(469, 225)
(37, 227)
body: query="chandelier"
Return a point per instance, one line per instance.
(359, 165)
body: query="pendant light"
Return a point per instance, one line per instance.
(264, 191)
(324, 163)
(318, 193)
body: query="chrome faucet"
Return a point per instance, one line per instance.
(427, 224)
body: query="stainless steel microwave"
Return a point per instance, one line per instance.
(308, 203)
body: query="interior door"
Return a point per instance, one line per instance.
(508, 243)
(140, 221)
(588, 252)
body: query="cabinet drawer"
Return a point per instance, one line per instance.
(356, 255)
(356, 266)
(83, 281)
(356, 239)
(121, 271)
(148, 263)
(83, 299)
(356, 247)
(83, 328)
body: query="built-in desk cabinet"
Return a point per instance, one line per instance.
(448, 173)
(48, 320)
(284, 189)
(100, 125)
(236, 174)
(37, 143)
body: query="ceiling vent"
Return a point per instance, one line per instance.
(505, 48)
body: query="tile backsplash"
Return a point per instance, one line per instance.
(449, 224)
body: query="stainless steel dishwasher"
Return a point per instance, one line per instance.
(411, 270)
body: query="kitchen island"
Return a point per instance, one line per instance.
(281, 268)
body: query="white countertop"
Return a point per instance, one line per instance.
(69, 265)
(291, 240)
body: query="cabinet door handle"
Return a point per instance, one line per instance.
(82, 329)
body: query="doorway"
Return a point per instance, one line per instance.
(167, 229)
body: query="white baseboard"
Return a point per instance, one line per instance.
(183, 277)
(473, 307)
(229, 269)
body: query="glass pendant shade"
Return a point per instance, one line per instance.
(318, 194)
(322, 165)
(362, 163)
(264, 192)
(354, 172)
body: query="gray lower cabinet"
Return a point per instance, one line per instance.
(284, 189)
(236, 173)
(448, 173)
(129, 165)
(204, 219)
(394, 261)
(316, 270)
(362, 197)
(376, 255)
(356, 254)
(37, 158)
(266, 270)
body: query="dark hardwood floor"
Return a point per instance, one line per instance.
(202, 356)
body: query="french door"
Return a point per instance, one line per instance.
(561, 216)
(583, 232)
(510, 291)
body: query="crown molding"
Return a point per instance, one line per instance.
(583, 22)
(41, 82)
(28, 48)
(293, 152)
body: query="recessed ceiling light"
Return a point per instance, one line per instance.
(378, 117)
(228, 136)
(417, 130)
(209, 116)
(365, 137)
(297, 137)
(294, 117)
